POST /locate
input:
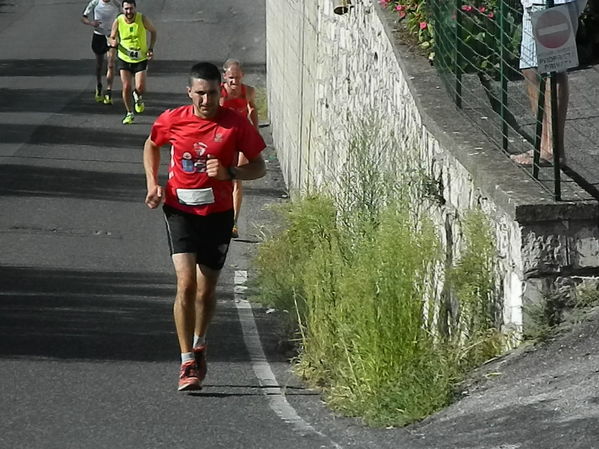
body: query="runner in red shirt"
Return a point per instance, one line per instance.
(241, 98)
(205, 139)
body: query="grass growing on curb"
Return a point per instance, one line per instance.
(360, 270)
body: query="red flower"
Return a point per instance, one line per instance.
(482, 9)
(423, 25)
(400, 8)
(467, 8)
(491, 15)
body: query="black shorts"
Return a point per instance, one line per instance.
(99, 44)
(132, 67)
(207, 236)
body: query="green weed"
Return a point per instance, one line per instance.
(361, 270)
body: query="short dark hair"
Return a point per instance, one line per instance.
(128, 1)
(204, 71)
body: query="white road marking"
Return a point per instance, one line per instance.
(278, 402)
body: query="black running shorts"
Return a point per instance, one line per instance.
(207, 236)
(132, 67)
(99, 44)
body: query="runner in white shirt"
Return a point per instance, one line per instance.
(100, 14)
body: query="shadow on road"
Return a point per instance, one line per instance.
(46, 100)
(56, 135)
(23, 180)
(79, 67)
(69, 314)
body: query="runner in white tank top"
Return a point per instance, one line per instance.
(100, 14)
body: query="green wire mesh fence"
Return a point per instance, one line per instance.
(477, 51)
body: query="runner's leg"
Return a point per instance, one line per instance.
(127, 81)
(140, 82)
(110, 68)
(184, 309)
(99, 67)
(205, 304)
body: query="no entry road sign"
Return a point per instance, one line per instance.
(555, 38)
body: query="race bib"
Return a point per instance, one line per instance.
(133, 54)
(195, 197)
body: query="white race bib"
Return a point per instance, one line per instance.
(133, 54)
(195, 197)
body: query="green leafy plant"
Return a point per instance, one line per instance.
(470, 33)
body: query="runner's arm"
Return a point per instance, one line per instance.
(87, 11)
(92, 23)
(151, 164)
(114, 34)
(252, 110)
(152, 29)
(254, 169)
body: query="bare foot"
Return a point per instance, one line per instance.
(527, 159)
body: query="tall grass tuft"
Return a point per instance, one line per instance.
(360, 268)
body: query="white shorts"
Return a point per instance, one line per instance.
(528, 47)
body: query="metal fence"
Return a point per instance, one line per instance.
(478, 52)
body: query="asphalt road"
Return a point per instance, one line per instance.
(88, 353)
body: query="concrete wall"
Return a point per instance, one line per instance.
(326, 70)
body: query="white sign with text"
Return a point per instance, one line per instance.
(555, 38)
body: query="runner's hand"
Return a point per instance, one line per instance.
(154, 197)
(214, 169)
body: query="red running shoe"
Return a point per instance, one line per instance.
(200, 357)
(188, 379)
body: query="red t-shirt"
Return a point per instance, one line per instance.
(192, 139)
(239, 104)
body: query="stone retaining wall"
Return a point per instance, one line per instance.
(326, 69)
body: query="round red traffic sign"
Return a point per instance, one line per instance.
(553, 28)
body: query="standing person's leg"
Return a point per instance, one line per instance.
(563, 97)
(532, 80)
(127, 81)
(140, 88)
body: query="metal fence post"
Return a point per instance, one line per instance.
(555, 132)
